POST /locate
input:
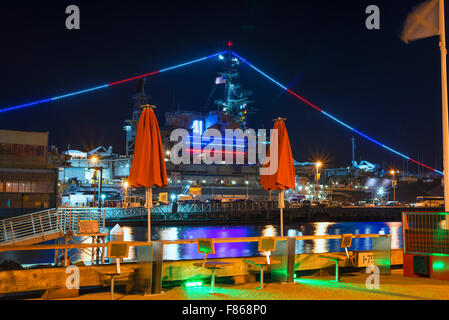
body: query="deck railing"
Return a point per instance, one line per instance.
(39, 226)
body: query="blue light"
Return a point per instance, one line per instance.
(220, 57)
(399, 154)
(260, 71)
(103, 86)
(190, 62)
(79, 92)
(220, 145)
(325, 113)
(25, 105)
(340, 122)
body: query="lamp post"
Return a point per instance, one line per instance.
(94, 160)
(394, 184)
(317, 178)
(125, 187)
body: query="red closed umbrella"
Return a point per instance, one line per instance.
(284, 177)
(148, 165)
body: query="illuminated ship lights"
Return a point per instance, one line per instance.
(332, 117)
(70, 94)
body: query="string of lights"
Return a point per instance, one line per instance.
(218, 151)
(109, 84)
(206, 58)
(332, 117)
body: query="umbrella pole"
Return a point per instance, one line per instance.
(149, 198)
(281, 207)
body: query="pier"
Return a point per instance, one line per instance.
(169, 273)
(352, 287)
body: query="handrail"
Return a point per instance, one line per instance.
(180, 241)
(256, 239)
(37, 226)
(68, 246)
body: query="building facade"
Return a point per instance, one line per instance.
(27, 182)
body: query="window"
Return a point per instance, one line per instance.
(23, 149)
(28, 186)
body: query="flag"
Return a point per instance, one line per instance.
(422, 22)
(220, 80)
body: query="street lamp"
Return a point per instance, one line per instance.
(94, 160)
(125, 187)
(394, 183)
(317, 177)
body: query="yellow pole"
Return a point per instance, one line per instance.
(442, 30)
(394, 190)
(281, 207)
(149, 205)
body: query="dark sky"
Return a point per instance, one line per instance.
(368, 78)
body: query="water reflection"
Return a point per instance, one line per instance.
(320, 245)
(242, 249)
(395, 229)
(171, 252)
(269, 231)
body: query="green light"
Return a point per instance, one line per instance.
(438, 265)
(194, 284)
(318, 282)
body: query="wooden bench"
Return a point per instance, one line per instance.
(346, 240)
(207, 246)
(267, 245)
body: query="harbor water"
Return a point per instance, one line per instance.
(243, 249)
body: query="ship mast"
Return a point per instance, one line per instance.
(139, 98)
(236, 99)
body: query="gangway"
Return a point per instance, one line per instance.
(46, 225)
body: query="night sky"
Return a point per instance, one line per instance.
(320, 49)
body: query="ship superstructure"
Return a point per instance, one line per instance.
(235, 103)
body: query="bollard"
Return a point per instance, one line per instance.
(291, 254)
(158, 258)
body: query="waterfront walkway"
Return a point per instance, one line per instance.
(352, 287)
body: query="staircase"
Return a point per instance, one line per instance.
(46, 225)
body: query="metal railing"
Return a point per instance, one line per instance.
(40, 226)
(190, 208)
(426, 233)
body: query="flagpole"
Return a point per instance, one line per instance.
(444, 104)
